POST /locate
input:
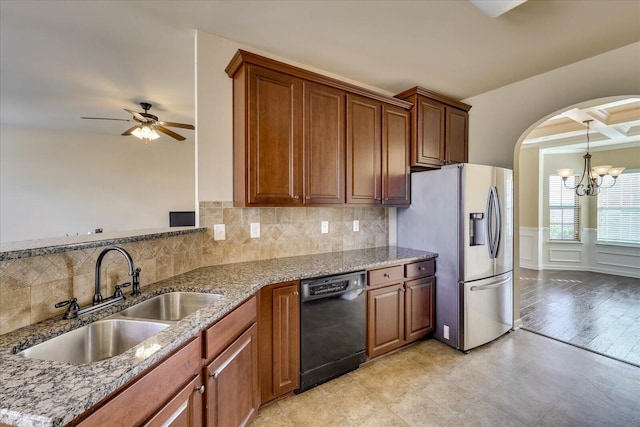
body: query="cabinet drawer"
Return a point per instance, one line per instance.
(421, 268)
(385, 275)
(224, 332)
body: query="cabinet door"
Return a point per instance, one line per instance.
(274, 138)
(184, 410)
(430, 140)
(396, 134)
(232, 392)
(279, 340)
(456, 135)
(324, 148)
(385, 313)
(364, 168)
(419, 308)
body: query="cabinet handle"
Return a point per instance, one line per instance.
(386, 198)
(200, 389)
(421, 268)
(296, 197)
(386, 275)
(308, 197)
(296, 293)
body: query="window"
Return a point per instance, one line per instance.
(619, 210)
(564, 210)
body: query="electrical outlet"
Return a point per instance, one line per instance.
(446, 332)
(324, 227)
(356, 225)
(255, 230)
(219, 232)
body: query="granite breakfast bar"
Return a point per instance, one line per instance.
(48, 393)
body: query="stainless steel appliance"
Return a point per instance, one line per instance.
(333, 327)
(465, 213)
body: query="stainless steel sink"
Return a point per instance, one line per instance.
(172, 306)
(94, 342)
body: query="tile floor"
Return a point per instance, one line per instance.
(521, 379)
(600, 312)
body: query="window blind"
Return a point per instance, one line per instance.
(564, 210)
(619, 210)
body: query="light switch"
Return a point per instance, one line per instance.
(255, 230)
(219, 232)
(324, 227)
(356, 225)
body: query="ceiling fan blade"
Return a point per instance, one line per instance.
(137, 115)
(104, 118)
(177, 125)
(171, 133)
(128, 131)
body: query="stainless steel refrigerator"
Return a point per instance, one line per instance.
(464, 212)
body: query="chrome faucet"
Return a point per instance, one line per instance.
(134, 272)
(74, 310)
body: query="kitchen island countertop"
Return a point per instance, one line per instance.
(48, 393)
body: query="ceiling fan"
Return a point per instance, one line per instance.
(147, 125)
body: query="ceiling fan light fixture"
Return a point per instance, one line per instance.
(145, 132)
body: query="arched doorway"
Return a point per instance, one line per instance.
(556, 267)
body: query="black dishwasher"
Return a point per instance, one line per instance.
(333, 327)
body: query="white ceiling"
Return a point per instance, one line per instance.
(64, 59)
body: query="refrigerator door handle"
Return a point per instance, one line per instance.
(494, 219)
(498, 209)
(490, 222)
(491, 285)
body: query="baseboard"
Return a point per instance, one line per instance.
(517, 323)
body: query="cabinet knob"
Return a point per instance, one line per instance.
(296, 197)
(214, 375)
(403, 289)
(386, 275)
(200, 389)
(296, 293)
(308, 197)
(386, 198)
(421, 268)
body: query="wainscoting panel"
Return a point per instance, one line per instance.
(538, 253)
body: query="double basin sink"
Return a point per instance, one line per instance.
(118, 333)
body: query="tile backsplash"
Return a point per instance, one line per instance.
(29, 287)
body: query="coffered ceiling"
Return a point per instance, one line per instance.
(60, 60)
(614, 124)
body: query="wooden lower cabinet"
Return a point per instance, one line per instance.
(385, 308)
(400, 305)
(152, 394)
(279, 339)
(184, 410)
(419, 312)
(232, 387)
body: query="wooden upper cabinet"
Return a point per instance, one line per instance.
(301, 138)
(439, 128)
(364, 151)
(274, 138)
(324, 147)
(457, 134)
(396, 140)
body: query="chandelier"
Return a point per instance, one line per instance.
(592, 177)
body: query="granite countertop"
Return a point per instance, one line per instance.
(49, 393)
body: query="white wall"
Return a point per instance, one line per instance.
(56, 182)
(499, 118)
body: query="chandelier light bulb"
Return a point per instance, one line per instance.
(565, 173)
(601, 170)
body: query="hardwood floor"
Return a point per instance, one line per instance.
(599, 312)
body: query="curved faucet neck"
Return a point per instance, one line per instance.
(97, 297)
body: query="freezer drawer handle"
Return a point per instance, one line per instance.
(491, 286)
